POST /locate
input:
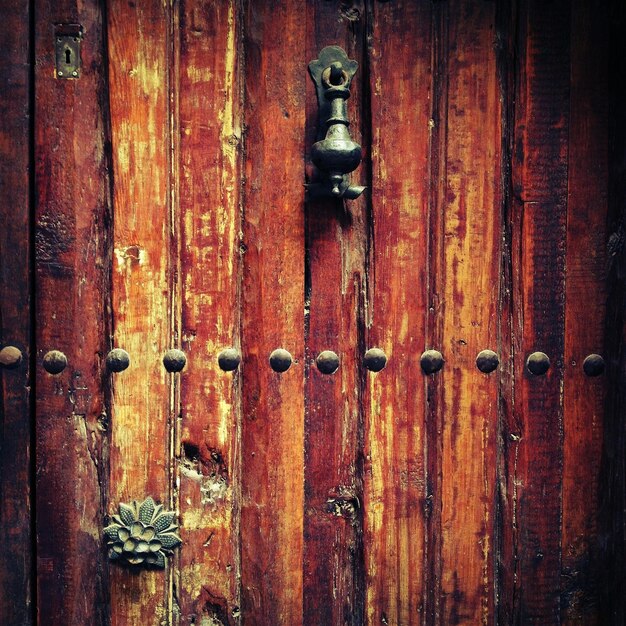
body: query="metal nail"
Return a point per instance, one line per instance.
(280, 360)
(375, 360)
(327, 362)
(174, 360)
(10, 357)
(431, 361)
(538, 363)
(117, 360)
(594, 365)
(54, 362)
(229, 359)
(487, 361)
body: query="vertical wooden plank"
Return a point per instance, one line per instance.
(210, 139)
(540, 161)
(15, 323)
(612, 583)
(396, 494)
(139, 54)
(273, 313)
(72, 257)
(335, 252)
(583, 401)
(470, 298)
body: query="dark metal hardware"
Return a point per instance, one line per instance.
(174, 360)
(593, 365)
(229, 359)
(375, 360)
(327, 362)
(54, 362)
(431, 361)
(10, 357)
(538, 363)
(334, 154)
(487, 361)
(280, 360)
(142, 534)
(67, 40)
(117, 360)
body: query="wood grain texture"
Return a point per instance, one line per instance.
(72, 260)
(539, 176)
(210, 224)
(15, 316)
(335, 253)
(273, 314)
(612, 492)
(139, 41)
(585, 296)
(469, 308)
(396, 495)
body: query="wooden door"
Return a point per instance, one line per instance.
(155, 201)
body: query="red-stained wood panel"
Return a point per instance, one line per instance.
(210, 223)
(335, 252)
(470, 208)
(585, 297)
(273, 313)
(140, 62)
(72, 260)
(16, 605)
(396, 496)
(538, 216)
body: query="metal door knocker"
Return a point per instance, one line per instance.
(334, 154)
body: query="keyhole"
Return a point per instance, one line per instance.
(68, 56)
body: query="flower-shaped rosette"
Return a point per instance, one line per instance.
(142, 534)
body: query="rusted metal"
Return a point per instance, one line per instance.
(174, 360)
(117, 360)
(10, 357)
(375, 360)
(336, 154)
(431, 361)
(327, 362)
(280, 360)
(229, 359)
(54, 362)
(67, 40)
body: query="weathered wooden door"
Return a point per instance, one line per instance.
(154, 156)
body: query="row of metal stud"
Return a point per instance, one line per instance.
(280, 360)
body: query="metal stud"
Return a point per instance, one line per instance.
(117, 360)
(538, 363)
(10, 357)
(229, 359)
(375, 360)
(174, 360)
(487, 361)
(431, 361)
(593, 365)
(280, 360)
(54, 362)
(327, 362)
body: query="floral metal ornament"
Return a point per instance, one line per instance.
(142, 534)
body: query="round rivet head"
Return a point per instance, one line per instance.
(280, 360)
(174, 360)
(54, 362)
(229, 359)
(117, 360)
(327, 362)
(375, 360)
(593, 365)
(487, 361)
(538, 363)
(10, 357)
(431, 361)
